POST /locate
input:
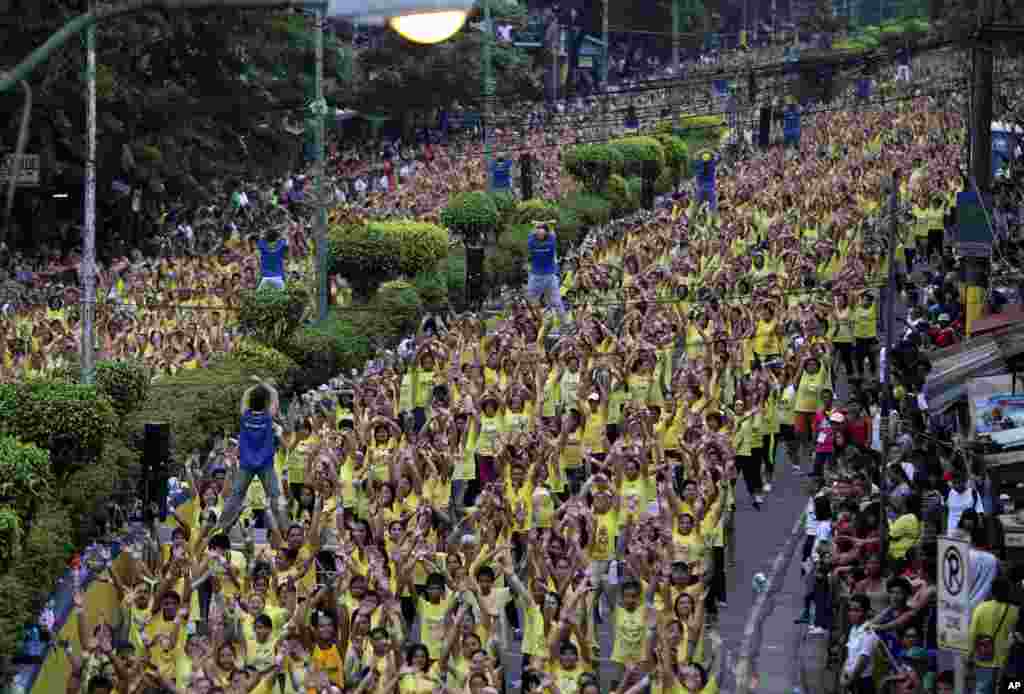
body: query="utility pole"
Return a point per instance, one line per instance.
(318, 110)
(488, 91)
(976, 269)
(87, 269)
(607, 45)
(886, 361)
(676, 72)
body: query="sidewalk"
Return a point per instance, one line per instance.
(789, 658)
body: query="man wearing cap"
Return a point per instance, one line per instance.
(543, 281)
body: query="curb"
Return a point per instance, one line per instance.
(763, 607)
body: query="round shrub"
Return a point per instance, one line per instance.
(124, 382)
(329, 348)
(396, 309)
(69, 420)
(677, 155)
(529, 211)
(368, 254)
(592, 165)
(265, 361)
(618, 196)
(455, 272)
(504, 267)
(433, 289)
(570, 225)
(505, 202)
(635, 151)
(25, 475)
(473, 215)
(270, 315)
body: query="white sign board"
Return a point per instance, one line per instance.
(28, 175)
(954, 618)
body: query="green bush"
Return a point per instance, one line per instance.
(272, 363)
(506, 265)
(395, 311)
(592, 165)
(473, 215)
(433, 289)
(456, 274)
(505, 202)
(622, 203)
(197, 403)
(593, 210)
(677, 155)
(534, 210)
(124, 382)
(503, 267)
(570, 225)
(86, 493)
(636, 151)
(44, 557)
(71, 421)
(271, 315)
(25, 475)
(368, 254)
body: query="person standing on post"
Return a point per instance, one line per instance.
(543, 281)
(273, 250)
(257, 445)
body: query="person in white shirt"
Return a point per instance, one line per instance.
(960, 498)
(860, 648)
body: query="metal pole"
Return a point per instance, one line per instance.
(19, 152)
(607, 45)
(88, 266)
(676, 28)
(890, 340)
(488, 91)
(319, 113)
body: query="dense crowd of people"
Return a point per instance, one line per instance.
(501, 509)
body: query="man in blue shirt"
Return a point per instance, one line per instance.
(273, 250)
(543, 282)
(257, 445)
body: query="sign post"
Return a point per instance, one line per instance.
(954, 614)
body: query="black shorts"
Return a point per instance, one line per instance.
(786, 433)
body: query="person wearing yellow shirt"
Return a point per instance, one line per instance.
(811, 382)
(630, 627)
(840, 332)
(992, 624)
(328, 631)
(566, 663)
(865, 332)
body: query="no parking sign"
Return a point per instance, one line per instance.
(954, 618)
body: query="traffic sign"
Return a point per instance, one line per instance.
(954, 617)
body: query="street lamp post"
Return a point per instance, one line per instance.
(319, 111)
(487, 77)
(87, 269)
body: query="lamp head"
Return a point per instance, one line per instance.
(419, 21)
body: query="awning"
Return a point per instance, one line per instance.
(953, 367)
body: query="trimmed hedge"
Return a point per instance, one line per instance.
(636, 151)
(619, 196)
(536, 209)
(433, 288)
(505, 203)
(395, 310)
(677, 157)
(368, 254)
(473, 215)
(506, 264)
(592, 165)
(456, 275)
(72, 421)
(45, 554)
(199, 403)
(593, 210)
(271, 315)
(124, 382)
